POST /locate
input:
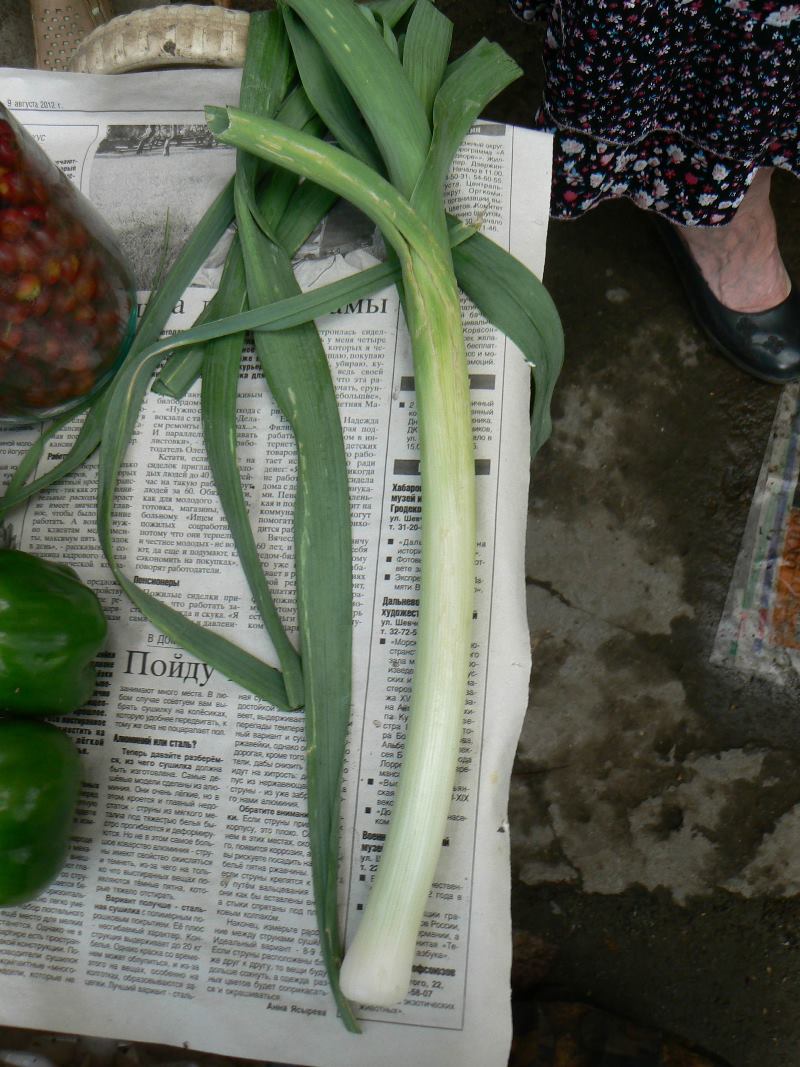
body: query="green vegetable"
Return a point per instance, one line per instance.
(296, 370)
(51, 627)
(39, 782)
(378, 78)
(396, 99)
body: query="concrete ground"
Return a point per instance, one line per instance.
(655, 795)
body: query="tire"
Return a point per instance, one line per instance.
(168, 36)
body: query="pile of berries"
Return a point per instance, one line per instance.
(65, 300)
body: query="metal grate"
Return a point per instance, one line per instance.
(59, 26)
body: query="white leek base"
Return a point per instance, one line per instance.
(368, 978)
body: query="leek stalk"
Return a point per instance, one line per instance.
(377, 966)
(410, 213)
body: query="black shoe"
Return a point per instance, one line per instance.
(764, 344)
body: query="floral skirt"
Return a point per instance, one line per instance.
(674, 104)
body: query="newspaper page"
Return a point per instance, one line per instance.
(760, 626)
(185, 913)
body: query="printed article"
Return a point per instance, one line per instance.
(185, 913)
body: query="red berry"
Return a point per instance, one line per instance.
(64, 302)
(10, 335)
(82, 384)
(32, 337)
(13, 224)
(109, 321)
(51, 270)
(70, 265)
(8, 258)
(78, 237)
(51, 348)
(36, 397)
(85, 287)
(85, 315)
(41, 303)
(80, 359)
(9, 153)
(27, 257)
(43, 237)
(28, 287)
(16, 313)
(38, 191)
(91, 263)
(13, 187)
(34, 213)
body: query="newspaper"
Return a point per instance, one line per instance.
(185, 913)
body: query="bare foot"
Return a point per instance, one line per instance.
(741, 261)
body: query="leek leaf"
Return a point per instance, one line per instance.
(296, 370)
(125, 396)
(377, 83)
(220, 378)
(328, 94)
(513, 299)
(389, 11)
(426, 50)
(485, 72)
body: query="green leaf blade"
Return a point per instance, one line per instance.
(220, 383)
(377, 82)
(426, 51)
(512, 298)
(482, 73)
(125, 398)
(329, 95)
(390, 11)
(296, 370)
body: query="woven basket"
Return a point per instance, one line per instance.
(168, 36)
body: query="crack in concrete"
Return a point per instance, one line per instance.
(548, 587)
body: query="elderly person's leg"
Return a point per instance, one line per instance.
(741, 262)
(685, 109)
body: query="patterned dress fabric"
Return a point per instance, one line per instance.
(674, 104)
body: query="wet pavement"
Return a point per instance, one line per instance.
(655, 806)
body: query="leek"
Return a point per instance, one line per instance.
(382, 86)
(410, 213)
(296, 370)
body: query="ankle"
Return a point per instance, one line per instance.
(741, 264)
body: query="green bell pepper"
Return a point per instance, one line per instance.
(39, 783)
(51, 627)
